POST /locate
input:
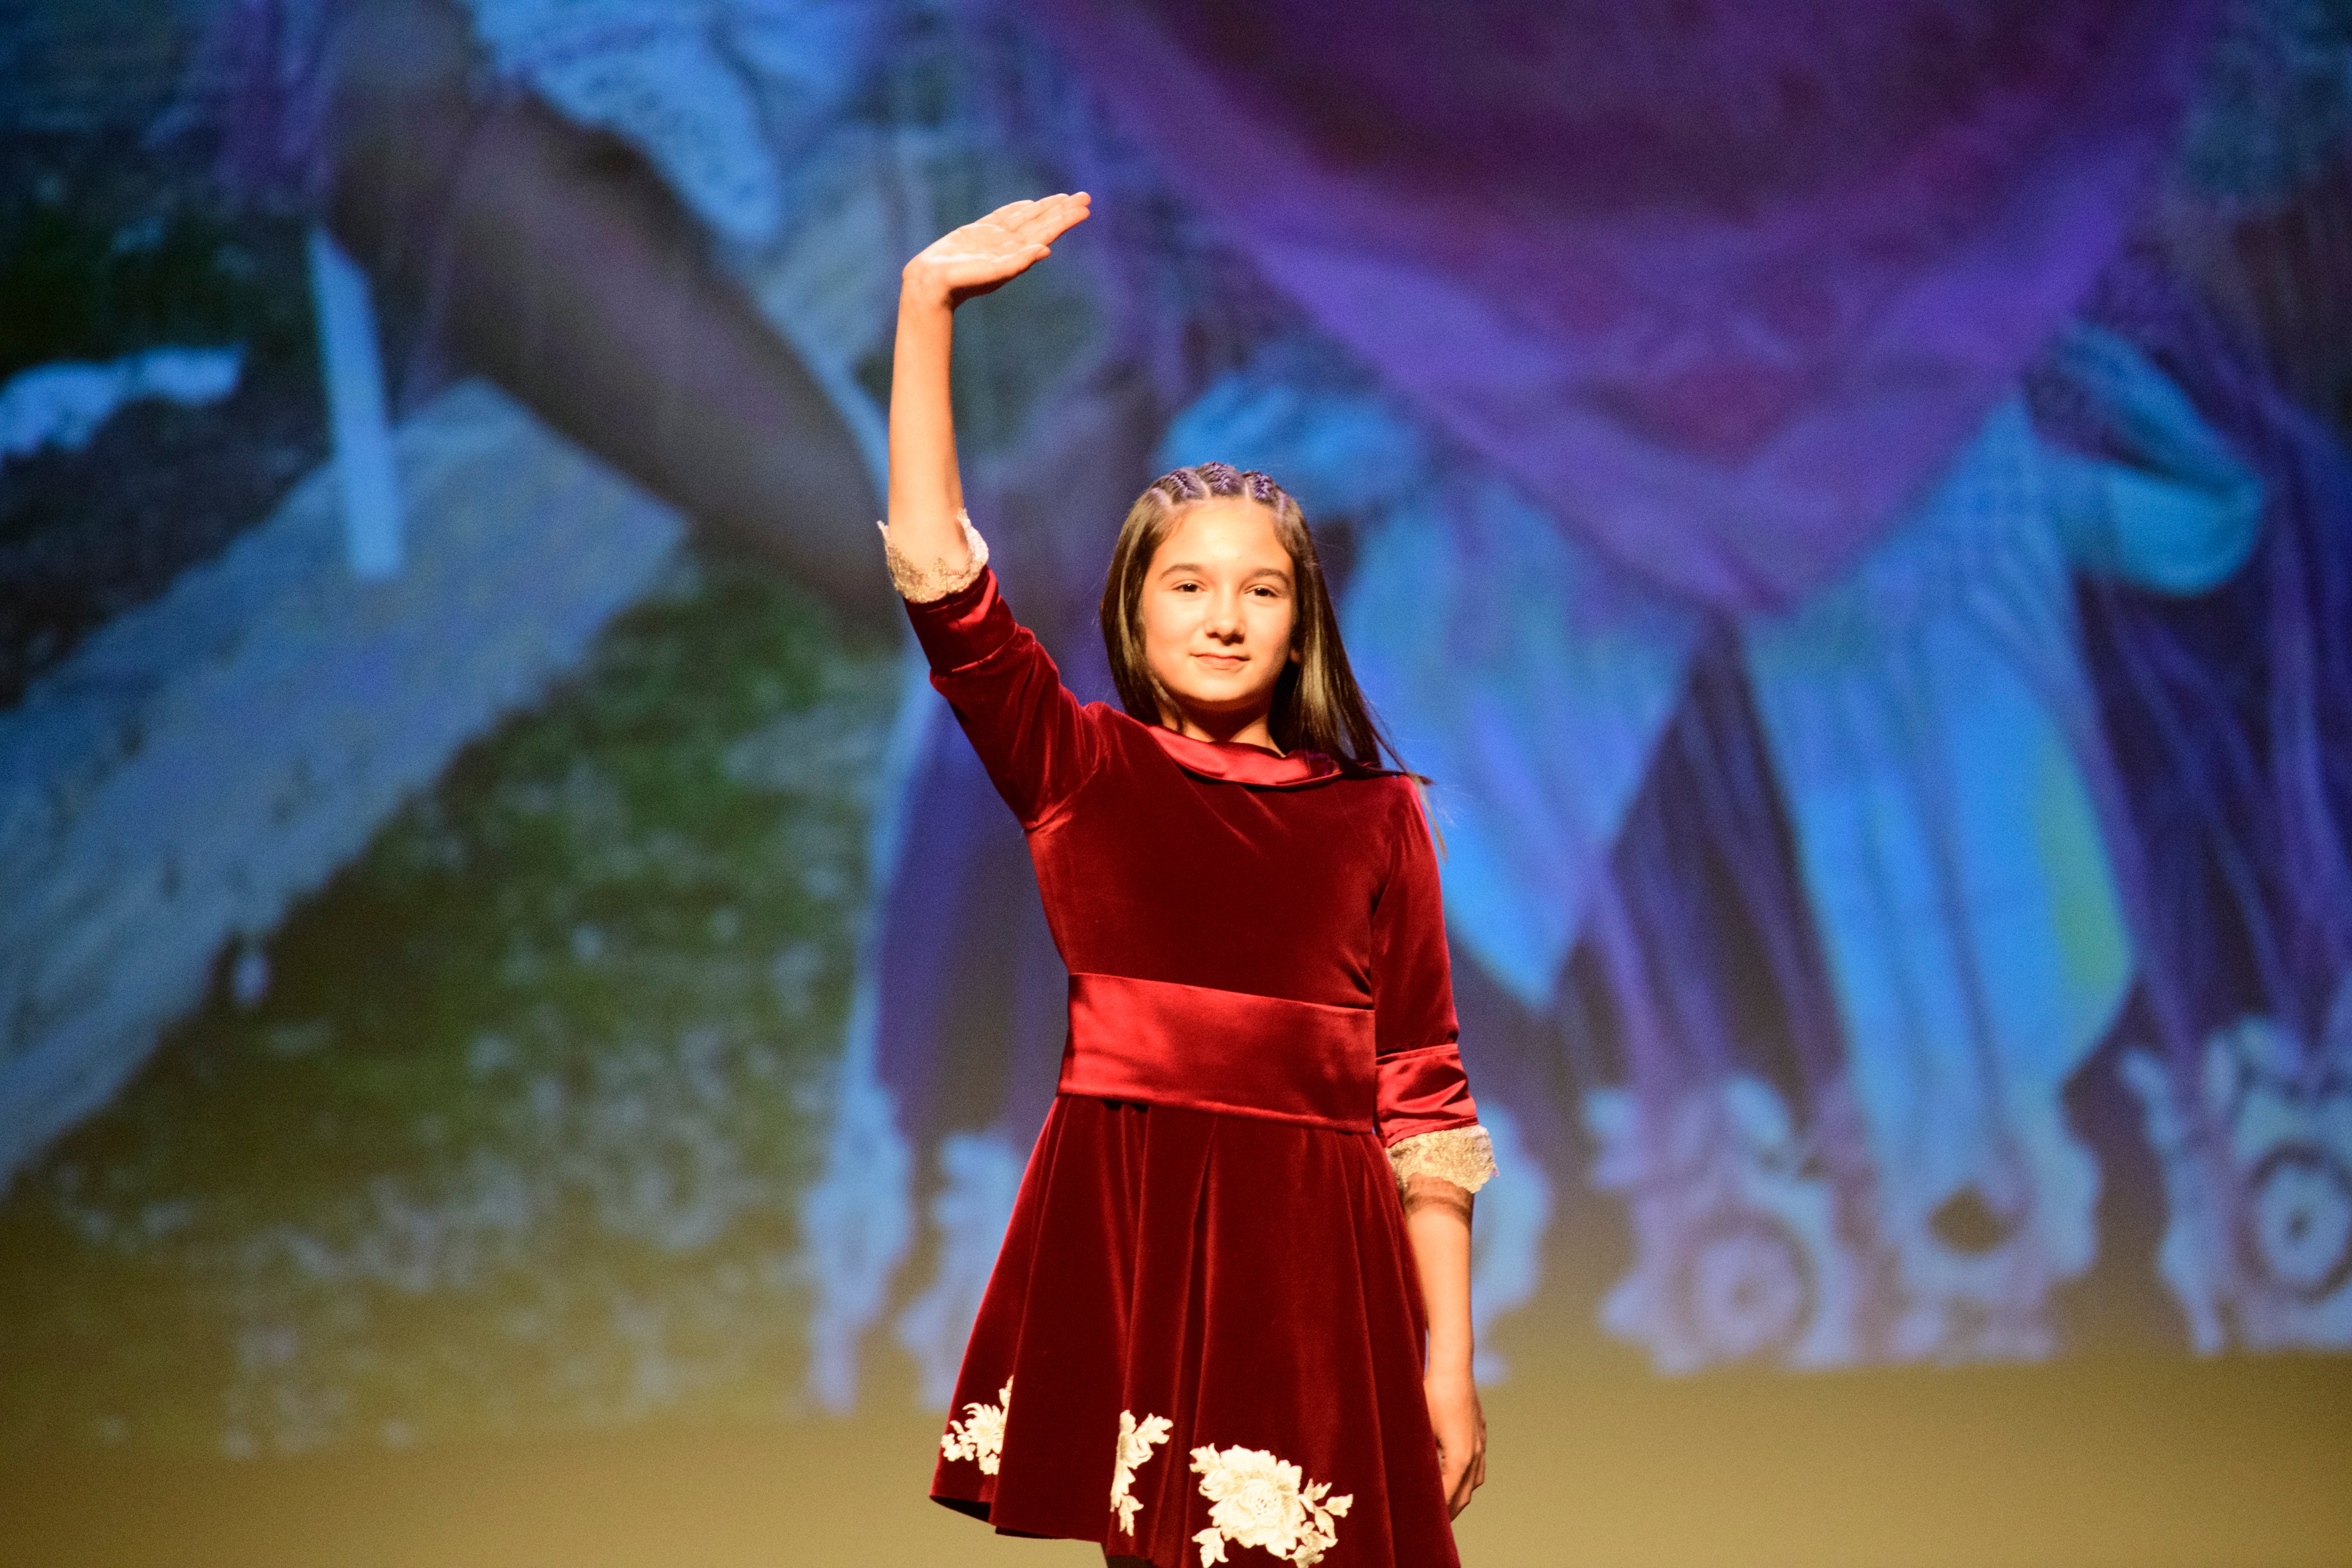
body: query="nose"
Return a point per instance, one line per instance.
(1225, 620)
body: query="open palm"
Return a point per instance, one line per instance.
(990, 252)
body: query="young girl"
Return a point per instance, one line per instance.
(1214, 1331)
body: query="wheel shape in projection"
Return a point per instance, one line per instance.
(1746, 1286)
(2296, 1221)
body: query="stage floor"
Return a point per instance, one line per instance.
(2137, 1464)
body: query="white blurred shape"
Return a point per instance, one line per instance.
(63, 404)
(857, 1218)
(984, 1175)
(354, 370)
(1736, 1252)
(1513, 1214)
(721, 96)
(2258, 1242)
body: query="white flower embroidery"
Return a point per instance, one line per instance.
(1258, 1501)
(980, 1436)
(1135, 1441)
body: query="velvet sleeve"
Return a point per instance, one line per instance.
(1032, 735)
(1423, 1089)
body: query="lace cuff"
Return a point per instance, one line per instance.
(1463, 1155)
(920, 584)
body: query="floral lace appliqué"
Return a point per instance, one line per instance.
(922, 584)
(980, 1436)
(1463, 1155)
(1135, 1441)
(1259, 1500)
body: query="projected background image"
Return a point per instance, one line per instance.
(1850, 506)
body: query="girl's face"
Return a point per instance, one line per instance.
(1219, 603)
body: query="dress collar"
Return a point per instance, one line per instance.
(1238, 761)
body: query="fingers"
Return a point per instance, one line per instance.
(1019, 233)
(1471, 1479)
(1459, 1478)
(1010, 213)
(1069, 206)
(1051, 217)
(1463, 1480)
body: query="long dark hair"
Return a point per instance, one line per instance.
(1317, 704)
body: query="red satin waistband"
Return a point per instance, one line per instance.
(1163, 1044)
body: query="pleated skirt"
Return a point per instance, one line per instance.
(1201, 1343)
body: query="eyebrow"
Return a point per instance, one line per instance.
(1281, 572)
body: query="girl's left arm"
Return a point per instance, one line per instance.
(1437, 1223)
(1430, 1124)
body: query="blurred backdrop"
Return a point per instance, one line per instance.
(520, 1019)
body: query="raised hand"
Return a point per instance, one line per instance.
(990, 252)
(926, 490)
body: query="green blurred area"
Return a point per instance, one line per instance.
(501, 1129)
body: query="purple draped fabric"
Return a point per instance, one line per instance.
(2231, 712)
(1720, 286)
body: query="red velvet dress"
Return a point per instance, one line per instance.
(1203, 1341)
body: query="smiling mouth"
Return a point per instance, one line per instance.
(1220, 660)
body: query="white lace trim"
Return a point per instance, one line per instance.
(1463, 1155)
(1135, 1441)
(922, 584)
(1256, 1499)
(980, 1436)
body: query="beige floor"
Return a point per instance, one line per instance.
(2139, 1465)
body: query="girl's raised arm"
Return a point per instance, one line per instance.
(1030, 733)
(926, 490)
